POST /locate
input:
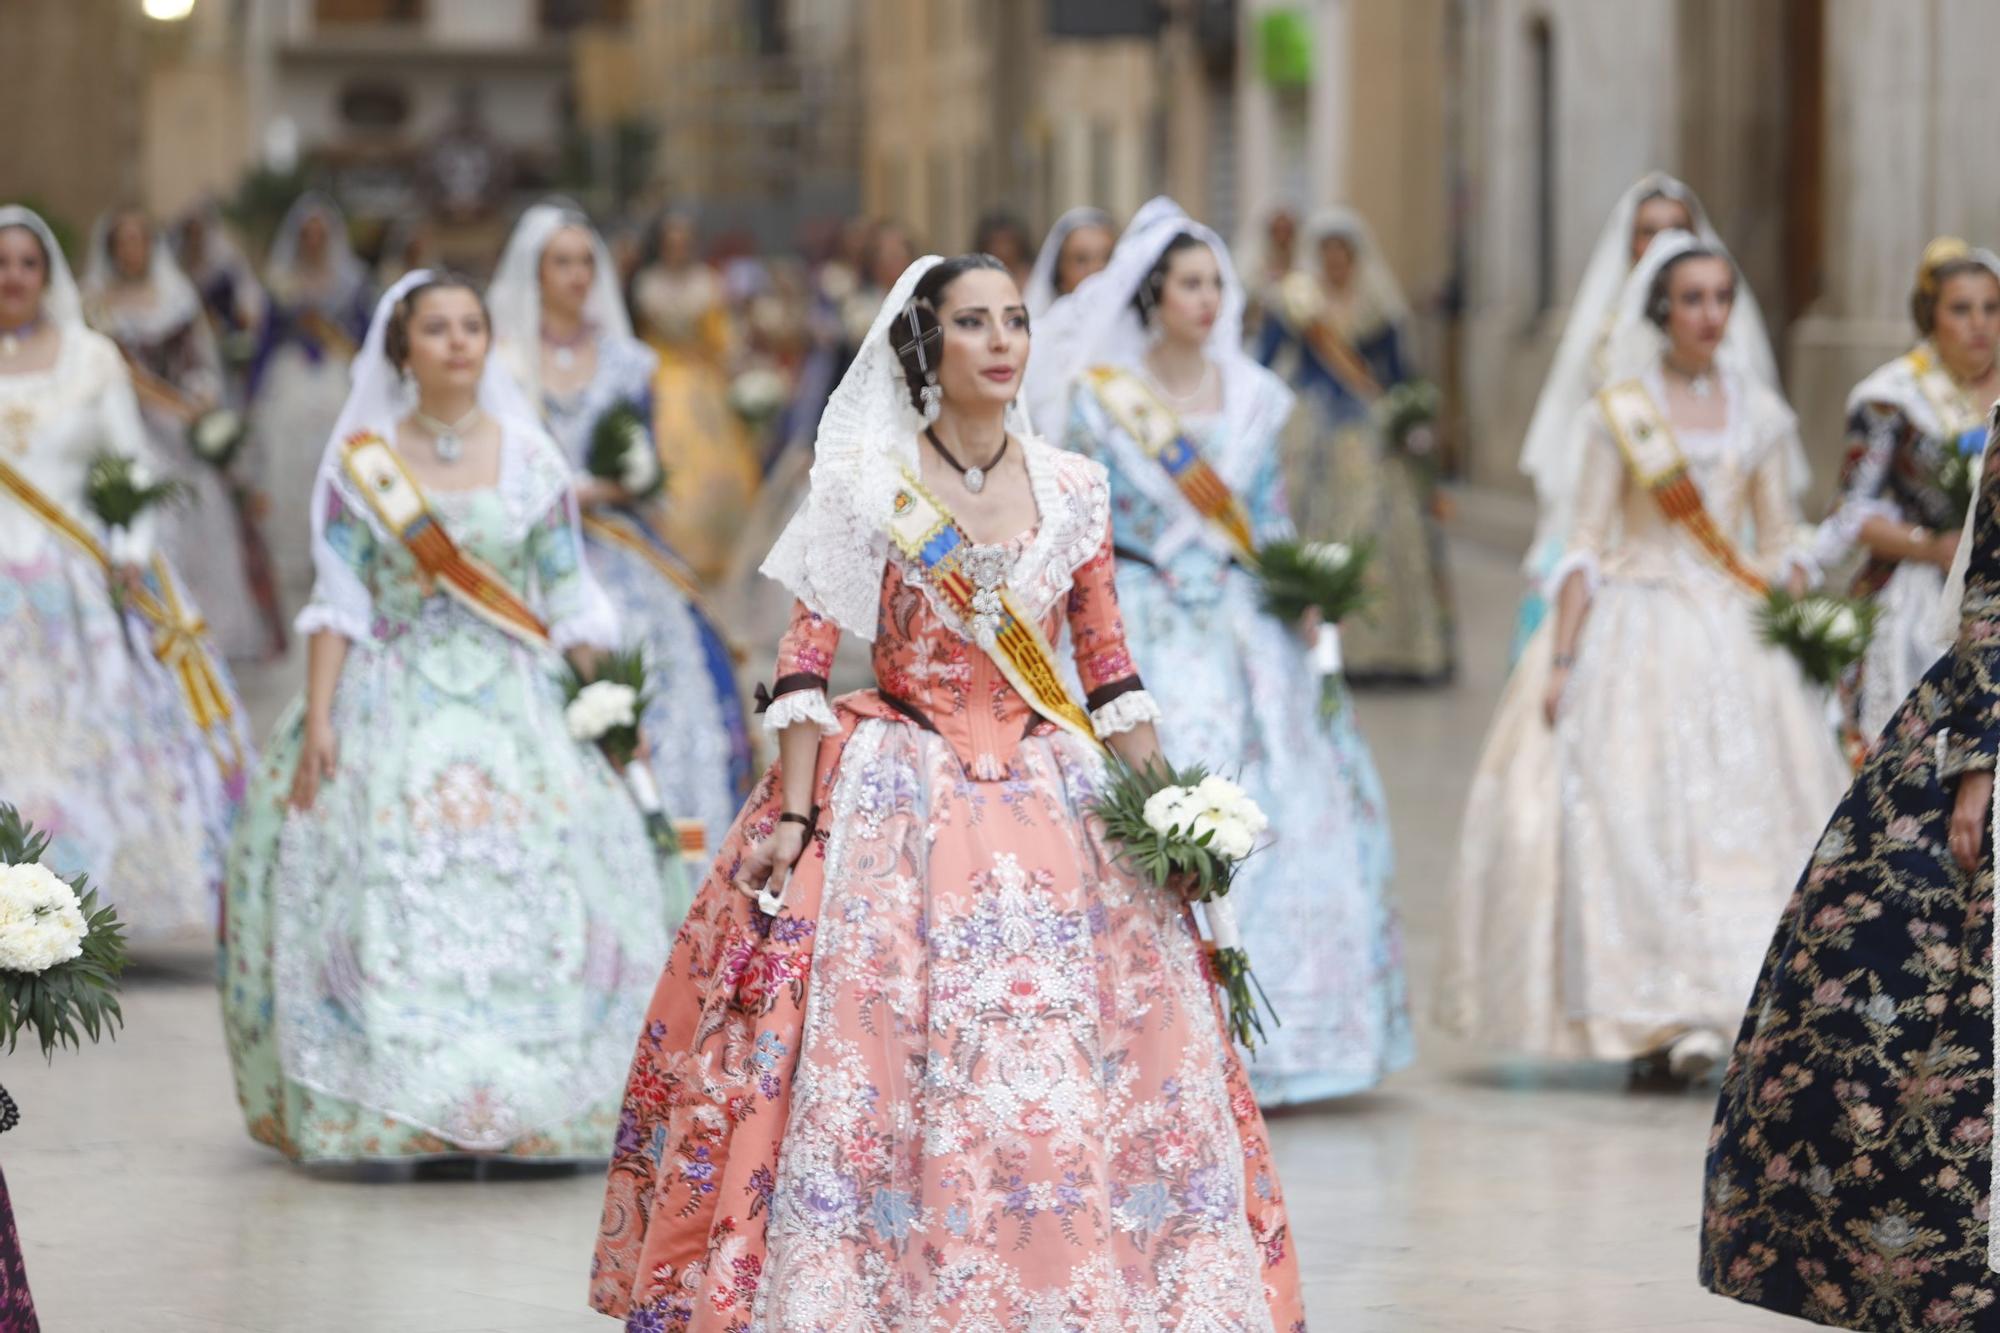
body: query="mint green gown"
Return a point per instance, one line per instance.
(452, 951)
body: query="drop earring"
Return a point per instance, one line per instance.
(932, 398)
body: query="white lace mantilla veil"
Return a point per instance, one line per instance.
(515, 297)
(62, 302)
(1097, 325)
(1552, 451)
(175, 300)
(282, 263)
(833, 554)
(1375, 282)
(1040, 292)
(376, 401)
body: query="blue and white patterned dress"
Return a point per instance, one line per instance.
(1240, 696)
(701, 747)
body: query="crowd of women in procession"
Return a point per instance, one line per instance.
(895, 1025)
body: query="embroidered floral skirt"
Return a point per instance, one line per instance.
(1850, 1169)
(972, 1075)
(17, 1307)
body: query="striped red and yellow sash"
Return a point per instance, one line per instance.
(1654, 457)
(399, 502)
(1154, 427)
(937, 548)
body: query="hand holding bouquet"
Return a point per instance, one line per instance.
(1197, 829)
(1327, 577)
(1825, 634)
(60, 951)
(622, 453)
(604, 711)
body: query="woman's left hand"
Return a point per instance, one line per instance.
(1970, 814)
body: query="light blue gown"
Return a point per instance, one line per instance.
(1239, 695)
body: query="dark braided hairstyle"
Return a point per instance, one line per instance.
(1659, 301)
(396, 336)
(915, 335)
(1155, 281)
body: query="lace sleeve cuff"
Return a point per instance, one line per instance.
(1128, 710)
(594, 623)
(1573, 562)
(318, 616)
(801, 706)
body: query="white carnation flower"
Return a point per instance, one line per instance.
(599, 707)
(1329, 555)
(1844, 624)
(1166, 809)
(639, 468)
(41, 919)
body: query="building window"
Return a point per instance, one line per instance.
(1542, 177)
(333, 13)
(374, 105)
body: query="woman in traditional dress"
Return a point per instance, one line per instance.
(1340, 329)
(1077, 246)
(713, 467)
(443, 912)
(121, 734)
(1851, 1167)
(561, 331)
(1905, 422)
(1553, 451)
(319, 301)
(1655, 770)
(229, 287)
(968, 1070)
(1159, 340)
(135, 294)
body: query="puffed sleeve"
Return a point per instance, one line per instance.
(1970, 736)
(805, 659)
(1114, 694)
(575, 605)
(344, 549)
(1600, 491)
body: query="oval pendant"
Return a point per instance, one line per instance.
(449, 448)
(975, 479)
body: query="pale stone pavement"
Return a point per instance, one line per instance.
(1463, 1196)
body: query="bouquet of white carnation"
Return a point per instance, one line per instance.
(1825, 634)
(1328, 577)
(621, 451)
(60, 951)
(119, 489)
(758, 394)
(604, 711)
(1192, 825)
(216, 436)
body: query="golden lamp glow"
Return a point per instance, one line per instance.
(168, 11)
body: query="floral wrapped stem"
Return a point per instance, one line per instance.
(604, 711)
(61, 951)
(1191, 826)
(1825, 635)
(621, 452)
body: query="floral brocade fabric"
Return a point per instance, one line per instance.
(17, 1307)
(972, 1076)
(1850, 1168)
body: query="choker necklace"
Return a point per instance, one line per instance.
(563, 350)
(1181, 400)
(446, 438)
(1701, 385)
(11, 339)
(975, 477)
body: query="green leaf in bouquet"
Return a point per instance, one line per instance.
(619, 666)
(1407, 406)
(1300, 576)
(1824, 634)
(77, 998)
(622, 451)
(1957, 477)
(117, 491)
(217, 436)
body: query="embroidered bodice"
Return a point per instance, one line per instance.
(1152, 524)
(1740, 470)
(371, 590)
(52, 422)
(625, 369)
(929, 670)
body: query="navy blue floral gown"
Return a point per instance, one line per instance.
(1851, 1165)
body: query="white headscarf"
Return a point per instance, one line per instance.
(62, 303)
(175, 300)
(1040, 292)
(1551, 452)
(377, 400)
(1375, 286)
(341, 261)
(834, 553)
(1098, 325)
(515, 296)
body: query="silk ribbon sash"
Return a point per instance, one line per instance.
(396, 499)
(1654, 458)
(937, 548)
(1154, 427)
(180, 637)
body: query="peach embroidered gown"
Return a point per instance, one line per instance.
(973, 1074)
